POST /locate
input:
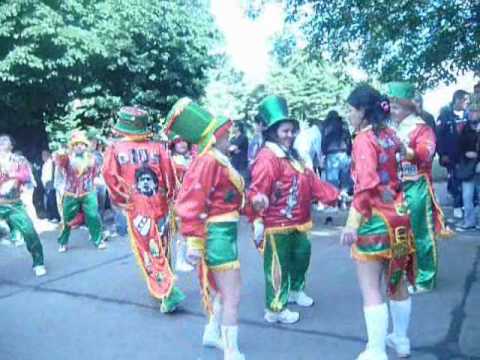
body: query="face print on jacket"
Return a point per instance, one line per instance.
(146, 181)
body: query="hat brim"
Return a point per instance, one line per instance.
(279, 121)
(123, 131)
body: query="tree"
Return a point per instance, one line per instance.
(312, 87)
(103, 53)
(426, 41)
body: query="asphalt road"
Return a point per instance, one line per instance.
(94, 305)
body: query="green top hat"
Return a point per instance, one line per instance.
(401, 90)
(131, 121)
(193, 123)
(274, 109)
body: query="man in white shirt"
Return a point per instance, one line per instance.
(309, 145)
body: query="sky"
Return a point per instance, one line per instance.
(247, 39)
(247, 42)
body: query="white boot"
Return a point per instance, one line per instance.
(376, 321)
(398, 340)
(211, 334)
(300, 298)
(230, 343)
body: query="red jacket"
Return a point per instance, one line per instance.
(140, 173)
(420, 138)
(212, 191)
(289, 187)
(374, 172)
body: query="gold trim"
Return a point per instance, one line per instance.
(232, 265)
(285, 229)
(235, 178)
(230, 216)
(195, 243)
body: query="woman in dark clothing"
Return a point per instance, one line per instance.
(469, 143)
(337, 148)
(239, 149)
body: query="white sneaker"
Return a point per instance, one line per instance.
(417, 290)
(102, 245)
(370, 354)
(62, 248)
(212, 336)
(285, 317)
(400, 345)
(457, 213)
(233, 355)
(39, 270)
(300, 298)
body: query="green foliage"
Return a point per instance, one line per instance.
(311, 87)
(426, 41)
(103, 54)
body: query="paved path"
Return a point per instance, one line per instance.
(94, 305)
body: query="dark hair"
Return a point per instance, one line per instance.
(270, 134)
(145, 170)
(240, 126)
(375, 105)
(458, 95)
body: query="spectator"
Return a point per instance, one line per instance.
(450, 124)
(309, 144)
(337, 148)
(476, 89)
(48, 175)
(256, 143)
(467, 166)
(426, 116)
(94, 137)
(239, 149)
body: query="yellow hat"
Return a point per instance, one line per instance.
(79, 136)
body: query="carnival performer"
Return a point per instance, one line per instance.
(418, 140)
(281, 193)
(209, 206)
(80, 168)
(182, 157)
(378, 226)
(140, 180)
(14, 172)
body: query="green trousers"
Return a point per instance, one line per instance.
(17, 219)
(285, 262)
(89, 205)
(419, 203)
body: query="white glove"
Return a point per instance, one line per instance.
(193, 256)
(258, 232)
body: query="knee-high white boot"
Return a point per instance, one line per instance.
(230, 343)
(376, 321)
(398, 339)
(212, 335)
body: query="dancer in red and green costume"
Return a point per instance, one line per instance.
(209, 206)
(14, 172)
(427, 219)
(181, 155)
(139, 175)
(378, 227)
(281, 193)
(80, 167)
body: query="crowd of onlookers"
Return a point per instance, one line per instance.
(325, 146)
